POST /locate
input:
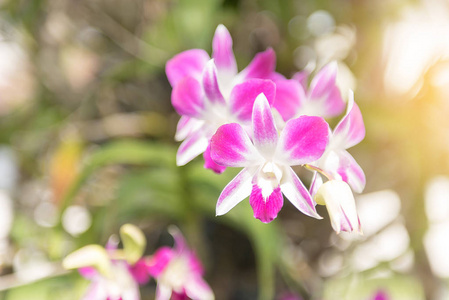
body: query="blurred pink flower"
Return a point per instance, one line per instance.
(178, 272)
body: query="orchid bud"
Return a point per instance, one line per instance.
(340, 204)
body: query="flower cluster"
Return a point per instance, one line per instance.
(260, 121)
(116, 274)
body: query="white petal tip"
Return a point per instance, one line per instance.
(316, 216)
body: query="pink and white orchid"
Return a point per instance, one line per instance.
(118, 284)
(178, 272)
(267, 159)
(115, 274)
(336, 162)
(323, 98)
(208, 93)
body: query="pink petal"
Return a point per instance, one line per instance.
(289, 97)
(195, 265)
(188, 97)
(180, 248)
(266, 207)
(351, 130)
(243, 96)
(196, 288)
(262, 66)
(333, 104)
(222, 50)
(210, 164)
(159, 261)
(324, 81)
(264, 130)
(238, 189)
(303, 140)
(350, 171)
(302, 77)
(297, 194)
(139, 271)
(231, 147)
(88, 272)
(191, 148)
(381, 295)
(210, 84)
(186, 126)
(187, 63)
(275, 76)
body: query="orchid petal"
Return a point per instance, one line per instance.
(188, 97)
(139, 272)
(186, 126)
(238, 189)
(297, 194)
(180, 246)
(159, 261)
(96, 291)
(210, 84)
(195, 264)
(315, 184)
(187, 63)
(323, 81)
(210, 164)
(264, 129)
(333, 104)
(262, 66)
(243, 96)
(276, 77)
(303, 140)
(222, 51)
(88, 272)
(350, 171)
(163, 291)
(191, 148)
(301, 77)
(231, 147)
(289, 97)
(196, 288)
(351, 130)
(266, 208)
(340, 204)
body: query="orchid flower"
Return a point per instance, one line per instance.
(267, 159)
(323, 98)
(115, 274)
(178, 272)
(208, 93)
(381, 295)
(336, 163)
(340, 204)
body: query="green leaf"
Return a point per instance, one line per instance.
(129, 152)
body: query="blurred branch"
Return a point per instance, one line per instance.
(125, 39)
(124, 125)
(13, 280)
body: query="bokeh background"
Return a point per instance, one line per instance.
(86, 144)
